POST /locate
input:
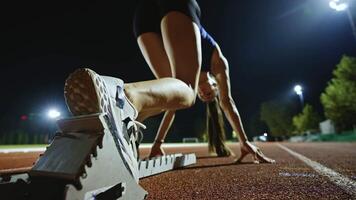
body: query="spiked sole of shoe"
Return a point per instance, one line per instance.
(85, 93)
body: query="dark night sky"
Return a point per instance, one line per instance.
(270, 45)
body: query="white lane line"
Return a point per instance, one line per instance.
(348, 185)
(22, 150)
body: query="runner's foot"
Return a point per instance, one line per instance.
(86, 92)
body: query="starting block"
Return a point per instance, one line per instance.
(83, 163)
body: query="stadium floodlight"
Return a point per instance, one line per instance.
(298, 89)
(53, 113)
(337, 5)
(342, 5)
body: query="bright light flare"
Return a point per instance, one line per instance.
(53, 114)
(265, 134)
(298, 89)
(336, 5)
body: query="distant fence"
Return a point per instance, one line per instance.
(190, 140)
(20, 137)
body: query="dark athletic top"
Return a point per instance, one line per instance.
(207, 47)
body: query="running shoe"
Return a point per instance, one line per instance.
(86, 92)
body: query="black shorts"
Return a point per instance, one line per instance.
(149, 14)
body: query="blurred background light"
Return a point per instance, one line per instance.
(336, 5)
(53, 114)
(298, 89)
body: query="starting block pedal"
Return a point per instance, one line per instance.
(87, 156)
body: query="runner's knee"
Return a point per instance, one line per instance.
(187, 96)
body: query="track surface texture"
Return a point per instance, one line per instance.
(220, 178)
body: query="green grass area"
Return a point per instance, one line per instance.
(17, 146)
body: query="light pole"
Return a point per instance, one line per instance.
(339, 6)
(53, 115)
(299, 91)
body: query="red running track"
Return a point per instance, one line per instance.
(219, 178)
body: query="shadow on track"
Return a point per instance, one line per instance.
(217, 165)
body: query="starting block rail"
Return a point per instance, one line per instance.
(150, 167)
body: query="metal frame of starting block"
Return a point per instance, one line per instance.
(84, 163)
